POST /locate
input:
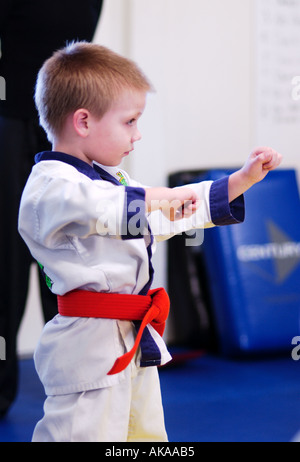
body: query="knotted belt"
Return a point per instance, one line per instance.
(152, 308)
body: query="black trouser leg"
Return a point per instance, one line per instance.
(19, 142)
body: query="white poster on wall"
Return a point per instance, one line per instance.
(277, 81)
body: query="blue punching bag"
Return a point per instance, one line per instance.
(253, 269)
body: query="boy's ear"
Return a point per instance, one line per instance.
(81, 122)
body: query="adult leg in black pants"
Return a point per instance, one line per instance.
(29, 33)
(20, 140)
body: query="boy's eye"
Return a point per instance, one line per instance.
(131, 121)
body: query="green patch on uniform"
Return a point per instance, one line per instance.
(49, 282)
(122, 178)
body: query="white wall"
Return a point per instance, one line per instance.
(201, 57)
(198, 55)
(32, 322)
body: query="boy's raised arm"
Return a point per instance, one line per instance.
(177, 203)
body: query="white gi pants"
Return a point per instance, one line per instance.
(129, 411)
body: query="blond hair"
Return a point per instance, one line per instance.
(83, 75)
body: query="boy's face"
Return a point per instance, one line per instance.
(113, 136)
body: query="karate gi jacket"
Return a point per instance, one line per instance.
(89, 231)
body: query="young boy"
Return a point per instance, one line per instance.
(87, 224)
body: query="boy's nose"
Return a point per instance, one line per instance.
(137, 136)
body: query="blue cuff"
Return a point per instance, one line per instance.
(134, 224)
(222, 212)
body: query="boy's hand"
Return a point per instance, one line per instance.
(174, 203)
(183, 205)
(259, 163)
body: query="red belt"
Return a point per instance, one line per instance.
(150, 309)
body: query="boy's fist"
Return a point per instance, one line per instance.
(260, 162)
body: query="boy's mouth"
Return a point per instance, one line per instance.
(128, 152)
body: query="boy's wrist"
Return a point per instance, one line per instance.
(239, 182)
(246, 180)
(154, 197)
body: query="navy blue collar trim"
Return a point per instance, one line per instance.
(106, 176)
(80, 165)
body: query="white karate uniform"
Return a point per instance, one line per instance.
(90, 234)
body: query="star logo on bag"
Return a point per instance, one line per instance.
(287, 258)
(282, 250)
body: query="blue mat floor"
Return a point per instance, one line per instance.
(208, 399)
